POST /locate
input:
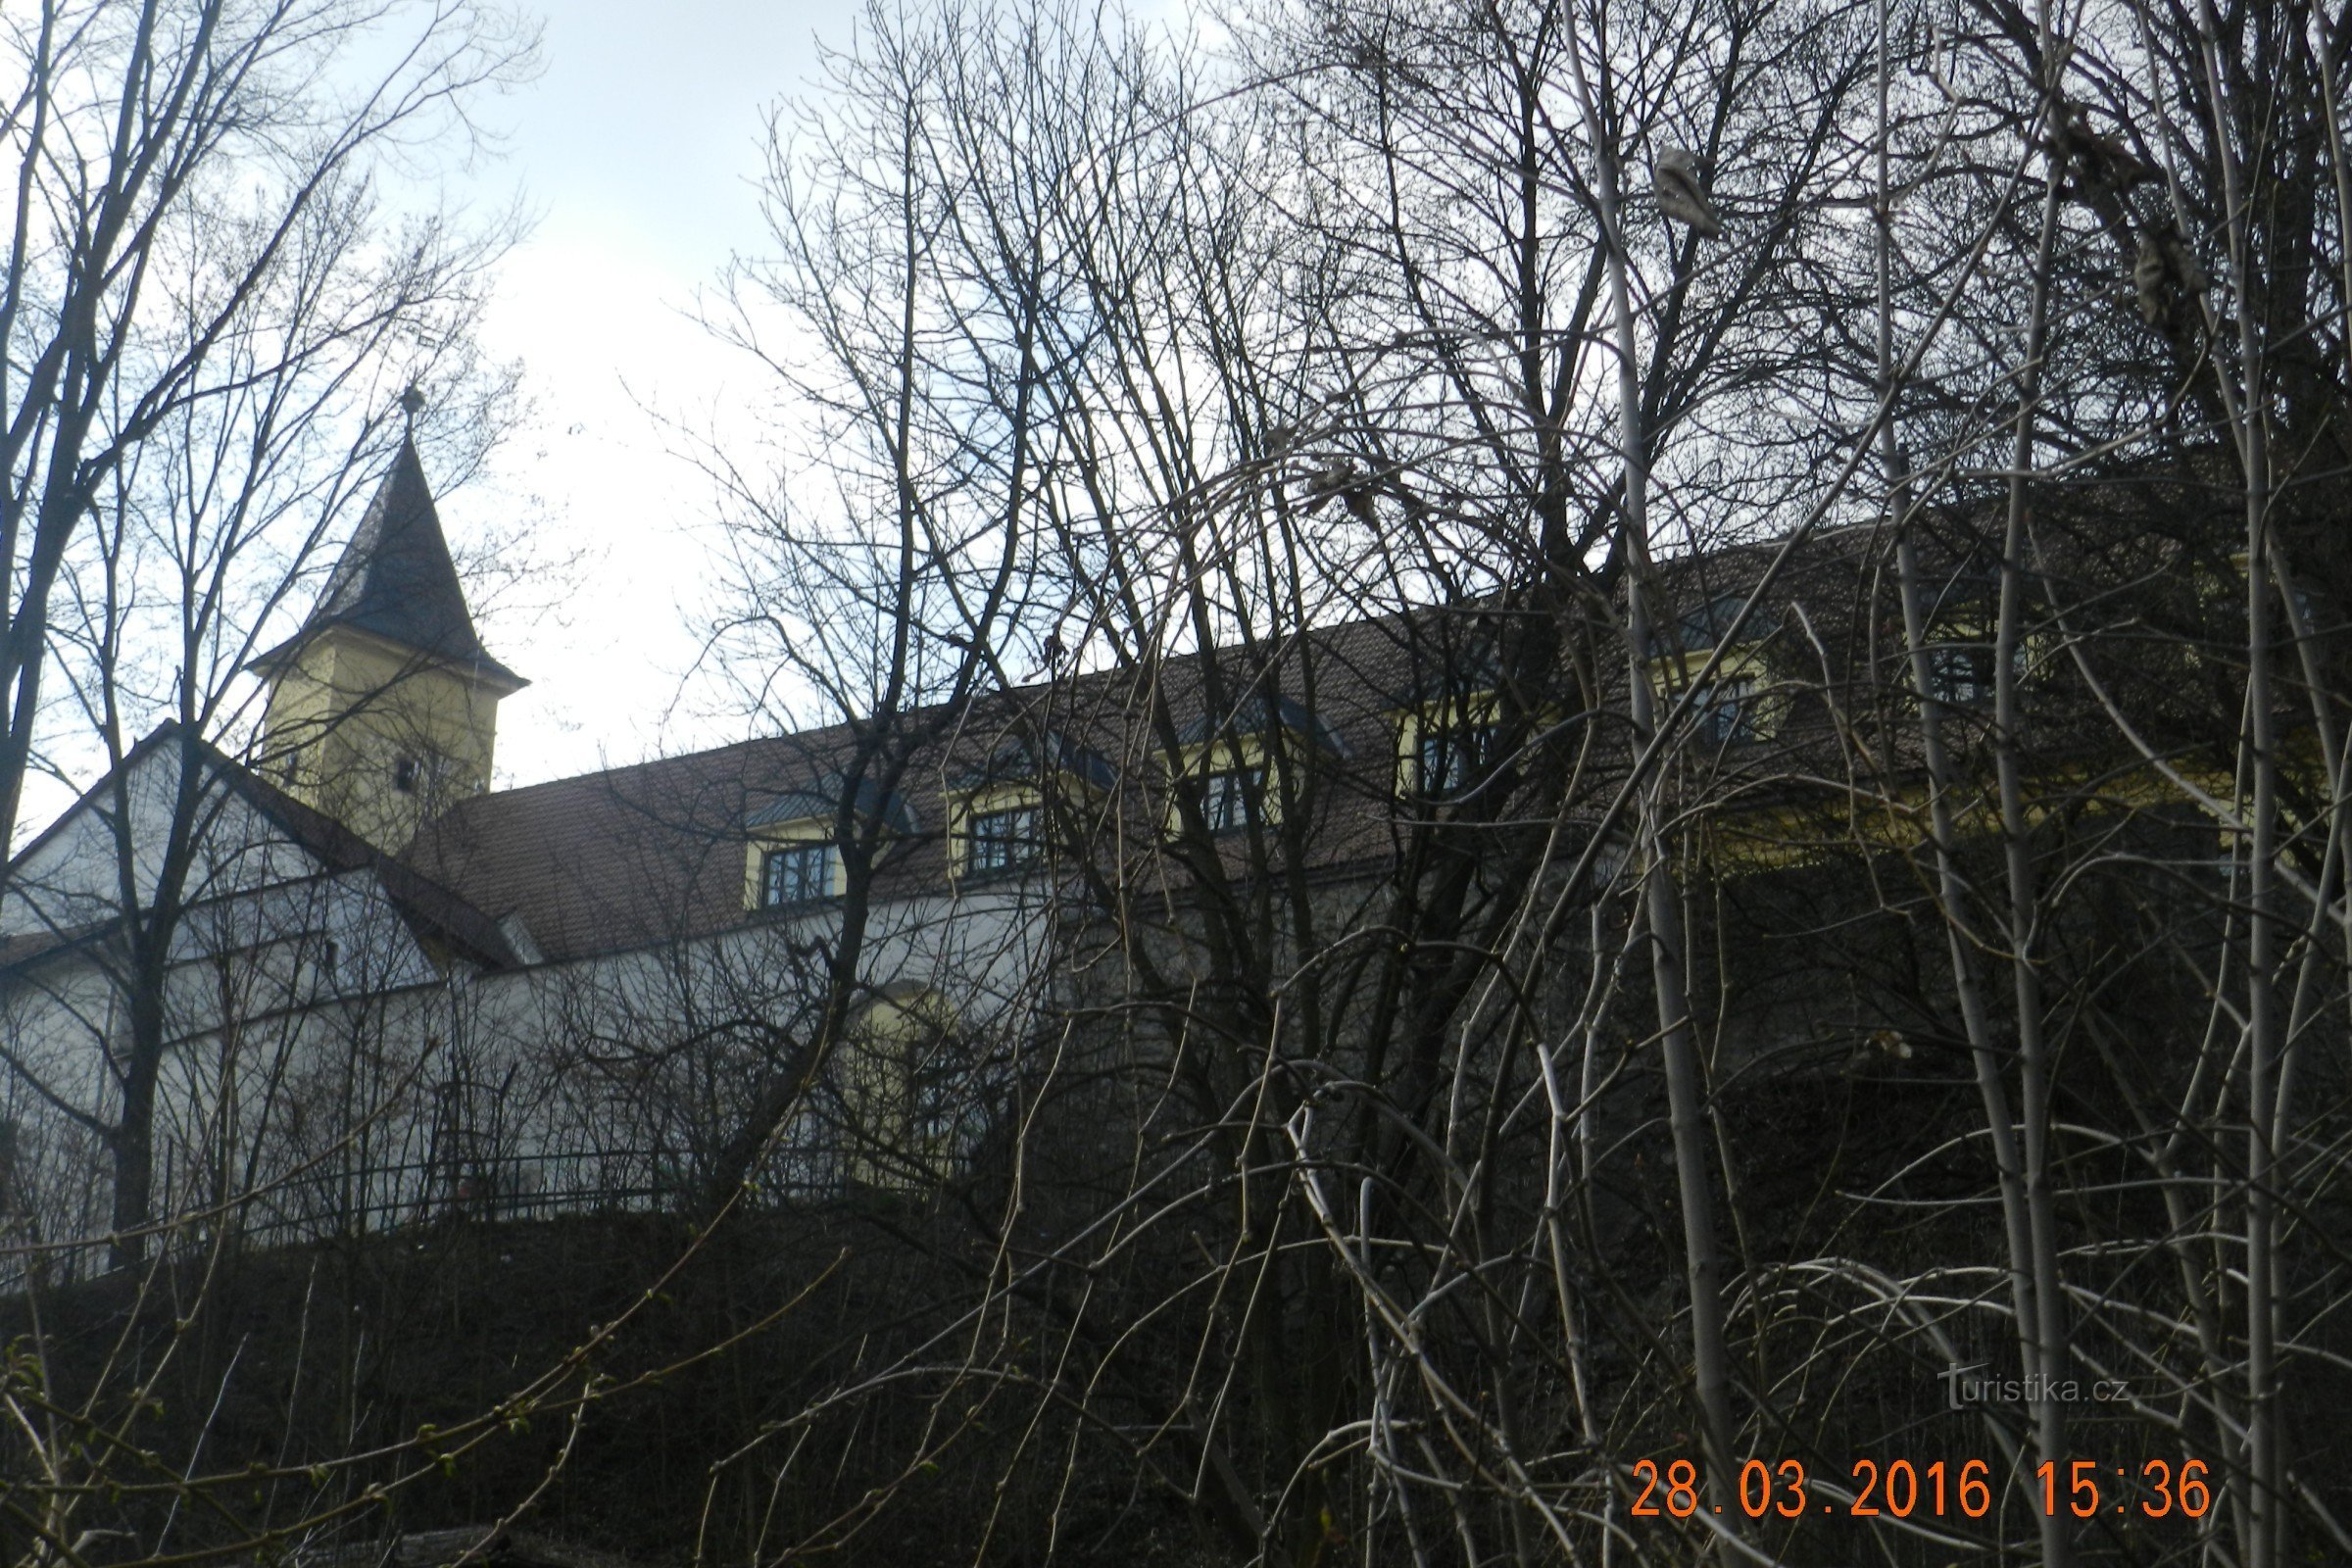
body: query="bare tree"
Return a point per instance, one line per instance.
(194, 223)
(1560, 783)
(1221, 398)
(1743, 464)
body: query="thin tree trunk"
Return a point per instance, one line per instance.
(1961, 941)
(1685, 1093)
(2258, 751)
(2043, 1335)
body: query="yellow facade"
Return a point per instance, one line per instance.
(378, 736)
(903, 1053)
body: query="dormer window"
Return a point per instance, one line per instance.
(1726, 713)
(1233, 798)
(1962, 665)
(1736, 699)
(1226, 762)
(1451, 756)
(1009, 839)
(1961, 674)
(1450, 734)
(1710, 624)
(998, 812)
(796, 873)
(793, 854)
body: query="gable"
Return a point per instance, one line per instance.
(247, 837)
(71, 878)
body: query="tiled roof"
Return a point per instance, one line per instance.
(626, 858)
(644, 855)
(652, 853)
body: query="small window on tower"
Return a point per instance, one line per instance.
(405, 774)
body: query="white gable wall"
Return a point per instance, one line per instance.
(71, 878)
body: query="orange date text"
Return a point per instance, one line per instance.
(1940, 1488)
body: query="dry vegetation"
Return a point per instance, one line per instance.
(1854, 498)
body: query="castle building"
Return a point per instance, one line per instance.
(342, 984)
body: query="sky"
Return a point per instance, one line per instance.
(634, 150)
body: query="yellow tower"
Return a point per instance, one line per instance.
(384, 708)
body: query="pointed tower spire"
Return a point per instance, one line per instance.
(397, 582)
(382, 708)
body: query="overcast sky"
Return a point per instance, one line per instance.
(635, 149)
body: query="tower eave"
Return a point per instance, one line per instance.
(479, 668)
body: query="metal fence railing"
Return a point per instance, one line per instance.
(344, 1203)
